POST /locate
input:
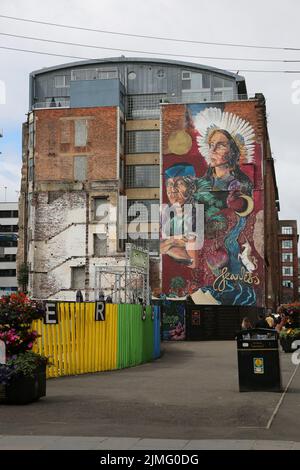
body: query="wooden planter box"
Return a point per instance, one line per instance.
(25, 389)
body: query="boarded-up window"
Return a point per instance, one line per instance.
(80, 168)
(80, 133)
(65, 132)
(100, 209)
(100, 244)
(78, 277)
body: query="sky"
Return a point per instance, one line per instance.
(224, 21)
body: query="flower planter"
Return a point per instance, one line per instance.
(25, 389)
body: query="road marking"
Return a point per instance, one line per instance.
(281, 399)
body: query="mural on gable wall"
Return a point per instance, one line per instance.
(211, 157)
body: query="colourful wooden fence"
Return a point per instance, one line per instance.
(77, 344)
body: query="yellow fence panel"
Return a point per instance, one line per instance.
(78, 344)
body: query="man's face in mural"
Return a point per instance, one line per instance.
(219, 149)
(176, 190)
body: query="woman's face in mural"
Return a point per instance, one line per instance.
(219, 149)
(176, 190)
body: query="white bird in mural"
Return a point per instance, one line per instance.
(250, 262)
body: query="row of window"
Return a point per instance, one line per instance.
(8, 228)
(190, 79)
(100, 243)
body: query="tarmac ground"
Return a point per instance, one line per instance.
(188, 397)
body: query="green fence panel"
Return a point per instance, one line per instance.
(130, 335)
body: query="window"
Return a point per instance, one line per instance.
(287, 270)
(219, 82)
(195, 80)
(7, 273)
(8, 214)
(160, 73)
(142, 141)
(287, 230)
(287, 257)
(100, 244)
(148, 244)
(100, 208)
(80, 168)
(4, 257)
(142, 176)
(131, 75)
(8, 228)
(146, 210)
(80, 133)
(144, 106)
(287, 244)
(288, 284)
(61, 81)
(78, 277)
(107, 74)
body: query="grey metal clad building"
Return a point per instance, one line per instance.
(107, 81)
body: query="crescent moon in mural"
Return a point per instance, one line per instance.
(250, 206)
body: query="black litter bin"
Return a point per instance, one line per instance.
(258, 360)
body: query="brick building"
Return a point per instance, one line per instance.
(289, 270)
(95, 132)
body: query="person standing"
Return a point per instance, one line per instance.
(79, 296)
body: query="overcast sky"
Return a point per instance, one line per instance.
(244, 22)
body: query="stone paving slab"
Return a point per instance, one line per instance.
(124, 443)
(116, 443)
(170, 444)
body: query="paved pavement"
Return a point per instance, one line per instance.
(132, 444)
(189, 395)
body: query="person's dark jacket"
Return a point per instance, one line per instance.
(262, 324)
(79, 296)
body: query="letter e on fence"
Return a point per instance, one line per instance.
(100, 311)
(51, 313)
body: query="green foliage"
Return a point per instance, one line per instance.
(290, 333)
(26, 363)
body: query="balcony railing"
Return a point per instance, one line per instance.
(147, 106)
(57, 103)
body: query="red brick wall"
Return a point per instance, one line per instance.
(54, 160)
